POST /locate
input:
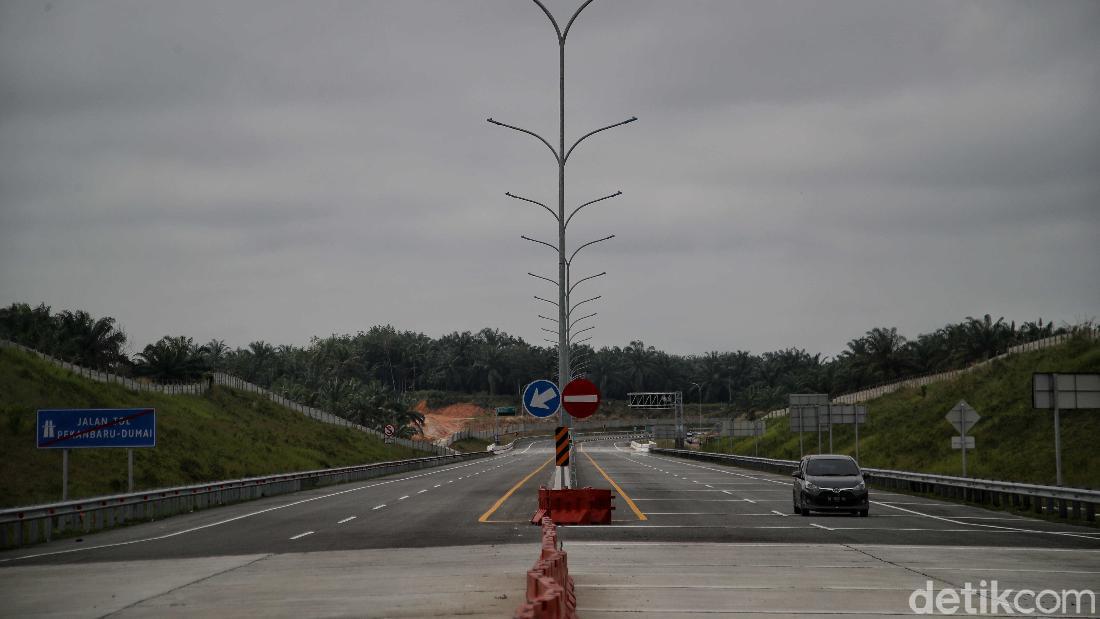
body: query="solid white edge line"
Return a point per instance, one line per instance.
(990, 526)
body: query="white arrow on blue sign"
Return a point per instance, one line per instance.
(541, 398)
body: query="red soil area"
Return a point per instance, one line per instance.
(443, 422)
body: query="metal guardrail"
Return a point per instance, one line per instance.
(1076, 503)
(41, 523)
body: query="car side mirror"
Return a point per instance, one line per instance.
(796, 474)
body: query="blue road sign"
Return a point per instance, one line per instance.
(74, 428)
(541, 398)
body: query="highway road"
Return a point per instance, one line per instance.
(456, 539)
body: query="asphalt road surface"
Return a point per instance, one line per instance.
(457, 539)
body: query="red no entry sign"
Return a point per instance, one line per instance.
(580, 398)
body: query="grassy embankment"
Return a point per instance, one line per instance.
(223, 434)
(907, 430)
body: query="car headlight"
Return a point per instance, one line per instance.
(861, 486)
(811, 487)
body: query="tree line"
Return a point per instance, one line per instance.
(364, 377)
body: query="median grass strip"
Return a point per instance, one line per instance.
(223, 434)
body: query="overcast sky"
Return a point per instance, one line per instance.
(801, 171)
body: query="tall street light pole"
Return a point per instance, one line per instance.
(561, 156)
(700, 388)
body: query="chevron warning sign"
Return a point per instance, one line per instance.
(561, 438)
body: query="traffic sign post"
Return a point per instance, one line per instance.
(963, 417)
(86, 428)
(580, 398)
(1069, 391)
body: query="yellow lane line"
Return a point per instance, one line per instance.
(485, 517)
(637, 512)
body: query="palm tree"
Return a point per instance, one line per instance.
(170, 358)
(986, 337)
(90, 342)
(215, 352)
(640, 363)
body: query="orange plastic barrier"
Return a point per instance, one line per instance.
(574, 506)
(549, 586)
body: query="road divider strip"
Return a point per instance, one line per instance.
(488, 513)
(550, 592)
(626, 497)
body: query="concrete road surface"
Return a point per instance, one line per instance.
(687, 538)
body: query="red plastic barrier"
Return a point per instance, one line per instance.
(549, 586)
(574, 506)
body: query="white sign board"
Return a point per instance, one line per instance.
(808, 399)
(957, 442)
(1073, 391)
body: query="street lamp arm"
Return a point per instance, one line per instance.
(574, 18)
(527, 238)
(547, 300)
(541, 277)
(570, 218)
(548, 209)
(590, 133)
(606, 238)
(581, 331)
(553, 320)
(549, 330)
(580, 319)
(584, 279)
(550, 16)
(557, 157)
(582, 341)
(579, 303)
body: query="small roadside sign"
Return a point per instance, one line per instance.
(963, 417)
(541, 398)
(389, 429)
(506, 411)
(957, 442)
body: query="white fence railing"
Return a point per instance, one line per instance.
(880, 390)
(224, 380)
(107, 377)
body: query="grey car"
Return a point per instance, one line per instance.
(829, 483)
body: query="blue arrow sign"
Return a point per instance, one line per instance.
(97, 427)
(541, 398)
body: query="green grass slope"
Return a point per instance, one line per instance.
(907, 429)
(223, 434)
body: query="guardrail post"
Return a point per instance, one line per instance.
(1063, 512)
(1090, 512)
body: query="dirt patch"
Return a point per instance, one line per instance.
(443, 422)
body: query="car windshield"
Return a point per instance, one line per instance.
(832, 467)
